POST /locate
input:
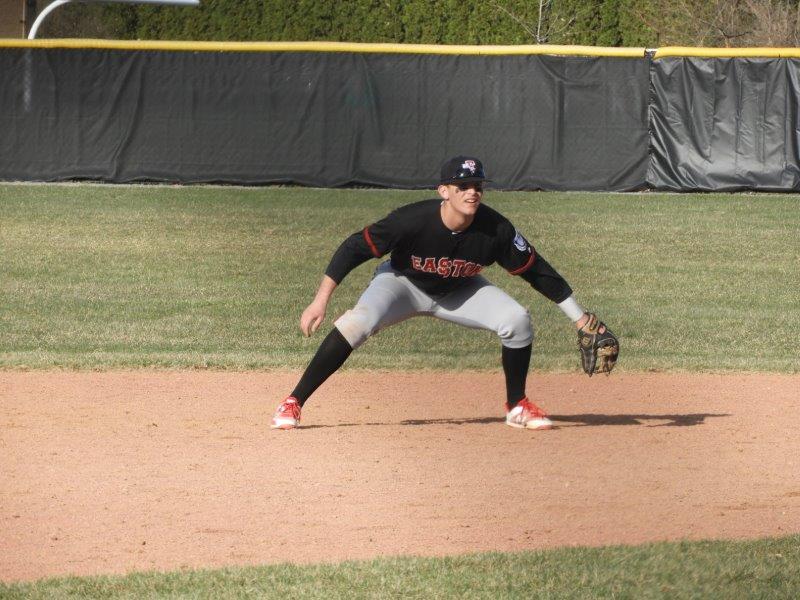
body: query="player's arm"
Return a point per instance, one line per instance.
(352, 252)
(373, 241)
(520, 258)
(314, 314)
(598, 346)
(547, 281)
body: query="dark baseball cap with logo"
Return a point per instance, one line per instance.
(462, 169)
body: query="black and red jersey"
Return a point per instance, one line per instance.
(438, 260)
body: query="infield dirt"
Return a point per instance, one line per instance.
(115, 472)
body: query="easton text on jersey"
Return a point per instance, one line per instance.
(446, 267)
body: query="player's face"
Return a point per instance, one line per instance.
(464, 198)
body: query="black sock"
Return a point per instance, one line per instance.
(515, 366)
(332, 353)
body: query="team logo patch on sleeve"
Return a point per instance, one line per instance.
(520, 243)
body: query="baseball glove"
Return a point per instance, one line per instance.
(598, 346)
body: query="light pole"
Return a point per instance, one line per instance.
(54, 5)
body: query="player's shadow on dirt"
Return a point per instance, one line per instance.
(585, 420)
(589, 420)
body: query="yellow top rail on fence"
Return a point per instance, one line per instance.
(488, 50)
(690, 51)
(321, 47)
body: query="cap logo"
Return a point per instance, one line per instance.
(460, 168)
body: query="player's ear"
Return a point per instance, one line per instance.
(444, 192)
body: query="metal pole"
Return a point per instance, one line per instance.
(54, 5)
(50, 8)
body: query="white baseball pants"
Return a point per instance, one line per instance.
(391, 298)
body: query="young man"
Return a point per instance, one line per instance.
(438, 249)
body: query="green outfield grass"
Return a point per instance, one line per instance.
(753, 569)
(98, 277)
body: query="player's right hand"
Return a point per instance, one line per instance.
(312, 318)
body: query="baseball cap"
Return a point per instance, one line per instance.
(462, 169)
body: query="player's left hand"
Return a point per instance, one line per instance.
(599, 347)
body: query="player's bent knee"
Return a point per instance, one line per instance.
(356, 325)
(516, 330)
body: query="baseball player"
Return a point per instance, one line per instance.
(438, 249)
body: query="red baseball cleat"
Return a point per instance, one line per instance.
(288, 414)
(526, 415)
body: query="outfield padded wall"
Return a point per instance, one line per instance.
(322, 118)
(725, 124)
(335, 114)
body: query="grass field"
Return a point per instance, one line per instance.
(107, 277)
(97, 277)
(760, 569)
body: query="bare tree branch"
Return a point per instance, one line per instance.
(519, 21)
